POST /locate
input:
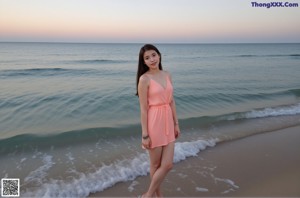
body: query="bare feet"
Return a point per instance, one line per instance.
(146, 195)
(158, 194)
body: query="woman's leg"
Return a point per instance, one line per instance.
(155, 161)
(166, 165)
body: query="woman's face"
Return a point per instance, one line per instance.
(152, 59)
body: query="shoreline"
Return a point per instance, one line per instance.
(264, 165)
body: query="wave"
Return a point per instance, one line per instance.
(44, 72)
(255, 55)
(29, 142)
(205, 121)
(265, 112)
(295, 92)
(108, 175)
(97, 61)
(269, 55)
(26, 142)
(189, 101)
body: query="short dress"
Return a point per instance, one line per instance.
(160, 116)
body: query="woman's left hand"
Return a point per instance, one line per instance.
(177, 131)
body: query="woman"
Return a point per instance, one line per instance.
(158, 115)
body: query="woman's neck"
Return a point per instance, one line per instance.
(154, 71)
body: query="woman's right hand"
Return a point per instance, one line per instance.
(146, 143)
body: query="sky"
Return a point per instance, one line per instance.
(140, 21)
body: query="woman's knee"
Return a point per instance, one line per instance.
(167, 166)
(155, 165)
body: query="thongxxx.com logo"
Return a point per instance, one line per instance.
(274, 4)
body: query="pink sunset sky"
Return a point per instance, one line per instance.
(131, 21)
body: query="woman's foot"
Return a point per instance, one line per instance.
(158, 194)
(146, 195)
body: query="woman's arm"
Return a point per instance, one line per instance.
(143, 97)
(173, 107)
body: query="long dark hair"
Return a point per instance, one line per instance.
(142, 67)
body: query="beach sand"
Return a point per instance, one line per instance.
(262, 165)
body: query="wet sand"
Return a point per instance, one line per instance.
(263, 165)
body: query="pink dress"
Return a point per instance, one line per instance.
(160, 116)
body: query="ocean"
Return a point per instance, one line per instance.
(70, 120)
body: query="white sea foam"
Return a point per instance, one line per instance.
(268, 112)
(227, 191)
(199, 189)
(227, 181)
(182, 175)
(70, 157)
(277, 111)
(40, 173)
(108, 175)
(132, 185)
(189, 149)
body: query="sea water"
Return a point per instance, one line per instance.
(70, 120)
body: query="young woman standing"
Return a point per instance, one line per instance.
(158, 115)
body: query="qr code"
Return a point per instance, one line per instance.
(10, 187)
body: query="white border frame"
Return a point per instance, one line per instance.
(18, 195)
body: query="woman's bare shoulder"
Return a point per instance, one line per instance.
(167, 73)
(144, 79)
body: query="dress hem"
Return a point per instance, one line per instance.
(163, 144)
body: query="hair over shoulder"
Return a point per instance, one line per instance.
(142, 67)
